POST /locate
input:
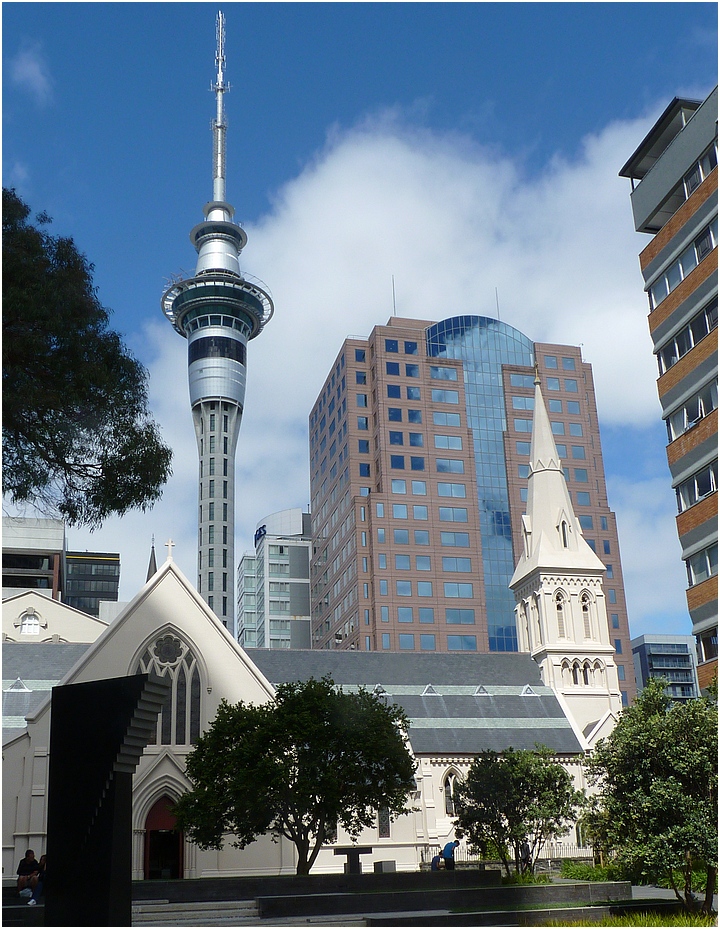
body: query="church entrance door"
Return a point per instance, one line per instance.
(163, 845)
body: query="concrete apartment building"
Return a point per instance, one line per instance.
(419, 458)
(674, 199)
(274, 584)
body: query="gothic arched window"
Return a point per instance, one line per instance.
(576, 673)
(449, 793)
(179, 721)
(585, 603)
(560, 613)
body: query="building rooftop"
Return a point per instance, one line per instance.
(670, 123)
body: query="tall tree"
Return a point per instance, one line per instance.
(296, 767)
(657, 800)
(78, 440)
(515, 797)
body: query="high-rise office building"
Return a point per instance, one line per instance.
(674, 199)
(419, 458)
(33, 556)
(218, 311)
(92, 578)
(672, 657)
(274, 584)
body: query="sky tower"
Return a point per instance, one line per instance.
(218, 311)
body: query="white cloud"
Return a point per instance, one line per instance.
(451, 221)
(28, 69)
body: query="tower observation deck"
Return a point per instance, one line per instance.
(218, 311)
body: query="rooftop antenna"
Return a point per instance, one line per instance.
(497, 303)
(219, 124)
(393, 293)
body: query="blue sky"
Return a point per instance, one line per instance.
(458, 147)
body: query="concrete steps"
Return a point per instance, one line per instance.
(210, 913)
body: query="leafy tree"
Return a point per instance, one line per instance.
(78, 441)
(515, 797)
(657, 779)
(295, 767)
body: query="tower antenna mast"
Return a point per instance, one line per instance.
(219, 124)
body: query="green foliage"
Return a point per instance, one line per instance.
(577, 871)
(78, 440)
(657, 802)
(642, 919)
(296, 767)
(528, 877)
(507, 799)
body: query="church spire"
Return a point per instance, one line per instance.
(551, 531)
(152, 566)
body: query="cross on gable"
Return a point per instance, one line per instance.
(170, 545)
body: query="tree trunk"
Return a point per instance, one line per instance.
(707, 906)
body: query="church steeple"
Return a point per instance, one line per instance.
(560, 613)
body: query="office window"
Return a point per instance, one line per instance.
(522, 448)
(398, 486)
(450, 563)
(424, 589)
(415, 439)
(364, 446)
(412, 370)
(394, 414)
(578, 451)
(391, 345)
(568, 364)
(523, 470)
(697, 487)
(576, 429)
(448, 441)
(612, 596)
(421, 536)
(606, 546)
(403, 588)
(555, 406)
(583, 498)
(586, 522)
(453, 514)
(400, 510)
(581, 476)
(414, 416)
(523, 403)
(386, 640)
(407, 641)
(393, 391)
(609, 571)
(359, 354)
(450, 465)
(401, 536)
(455, 539)
(452, 589)
(460, 617)
(446, 419)
(411, 348)
(419, 488)
(364, 469)
(392, 367)
(413, 393)
(385, 614)
(551, 361)
(362, 423)
(420, 512)
(618, 646)
(405, 614)
(702, 565)
(422, 563)
(396, 438)
(573, 407)
(561, 449)
(426, 614)
(688, 337)
(397, 462)
(427, 642)
(522, 425)
(444, 396)
(692, 411)
(462, 643)
(402, 562)
(380, 509)
(615, 620)
(382, 561)
(383, 588)
(522, 380)
(558, 428)
(621, 672)
(360, 377)
(381, 536)
(443, 373)
(361, 399)
(456, 490)
(571, 385)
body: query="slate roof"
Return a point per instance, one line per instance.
(480, 702)
(39, 667)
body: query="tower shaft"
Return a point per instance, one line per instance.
(218, 311)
